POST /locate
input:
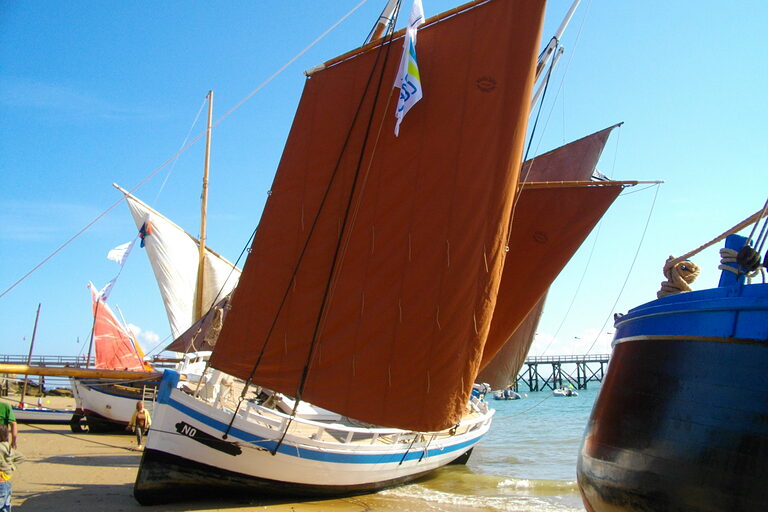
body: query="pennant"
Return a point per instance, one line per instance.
(145, 231)
(103, 294)
(408, 79)
(120, 253)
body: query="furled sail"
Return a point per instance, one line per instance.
(114, 347)
(203, 334)
(373, 275)
(174, 256)
(508, 346)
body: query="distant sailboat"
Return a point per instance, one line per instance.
(107, 404)
(174, 256)
(369, 300)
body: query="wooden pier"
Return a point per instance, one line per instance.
(552, 372)
(538, 373)
(7, 382)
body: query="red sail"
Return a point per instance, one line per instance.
(114, 347)
(415, 258)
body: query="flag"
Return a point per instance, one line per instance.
(408, 79)
(120, 253)
(103, 294)
(145, 231)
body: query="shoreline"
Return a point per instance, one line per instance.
(95, 472)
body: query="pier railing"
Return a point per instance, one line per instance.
(537, 374)
(50, 361)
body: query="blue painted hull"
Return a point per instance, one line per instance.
(681, 422)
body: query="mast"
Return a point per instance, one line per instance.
(203, 208)
(29, 357)
(386, 19)
(555, 41)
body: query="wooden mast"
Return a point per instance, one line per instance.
(29, 357)
(203, 209)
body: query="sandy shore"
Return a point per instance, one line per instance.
(95, 472)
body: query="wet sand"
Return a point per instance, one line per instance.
(95, 472)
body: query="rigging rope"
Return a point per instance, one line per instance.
(679, 276)
(181, 151)
(629, 272)
(312, 228)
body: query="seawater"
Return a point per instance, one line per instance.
(527, 462)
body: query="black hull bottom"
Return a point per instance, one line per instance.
(166, 478)
(679, 426)
(96, 424)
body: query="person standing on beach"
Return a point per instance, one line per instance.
(8, 419)
(140, 422)
(9, 457)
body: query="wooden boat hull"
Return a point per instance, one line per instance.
(188, 453)
(107, 406)
(681, 421)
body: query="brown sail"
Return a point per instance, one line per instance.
(575, 161)
(551, 221)
(373, 276)
(502, 369)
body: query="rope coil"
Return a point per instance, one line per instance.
(679, 274)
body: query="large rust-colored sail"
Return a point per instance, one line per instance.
(415, 257)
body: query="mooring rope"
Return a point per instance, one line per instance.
(680, 271)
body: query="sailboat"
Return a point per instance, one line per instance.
(681, 421)
(107, 404)
(368, 302)
(192, 279)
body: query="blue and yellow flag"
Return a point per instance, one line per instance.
(408, 79)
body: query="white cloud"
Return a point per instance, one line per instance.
(147, 339)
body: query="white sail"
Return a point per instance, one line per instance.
(174, 255)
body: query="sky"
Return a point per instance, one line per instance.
(94, 93)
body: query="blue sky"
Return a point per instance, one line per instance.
(93, 93)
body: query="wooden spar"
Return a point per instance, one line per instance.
(203, 210)
(585, 184)
(29, 357)
(375, 44)
(93, 333)
(25, 369)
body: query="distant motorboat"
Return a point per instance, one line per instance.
(506, 394)
(565, 392)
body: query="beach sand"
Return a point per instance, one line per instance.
(95, 472)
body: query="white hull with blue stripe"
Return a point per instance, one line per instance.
(192, 448)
